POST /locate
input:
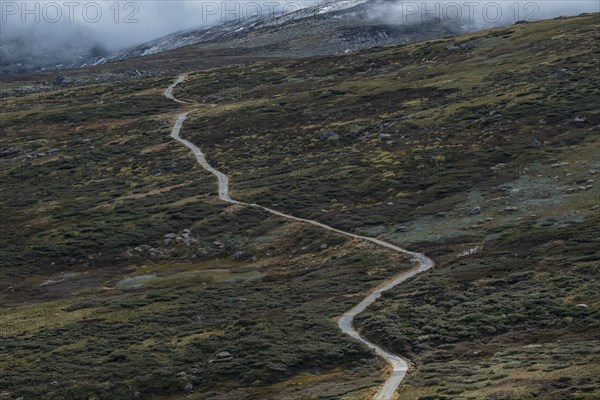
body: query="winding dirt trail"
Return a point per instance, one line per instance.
(399, 365)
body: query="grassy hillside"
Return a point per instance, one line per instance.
(480, 151)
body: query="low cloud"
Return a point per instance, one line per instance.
(476, 14)
(48, 32)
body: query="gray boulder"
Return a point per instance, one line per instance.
(10, 152)
(475, 211)
(329, 135)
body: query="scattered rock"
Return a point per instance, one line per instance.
(536, 144)
(562, 71)
(452, 48)
(402, 229)
(475, 211)
(510, 209)
(168, 241)
(223, 356)
(468, 46)
(580, 119)
(592, 172)
(54, 383)
(137, 394)
(582, 305)
(323, 246)
(441, 214)
(211, 99)
(329, 135)
(498, 167)
(188, 388)
(10, 152)
(170, 236)
(180, 374)
(240, 255)
(62, 80)
(384, 136)
(195, 370)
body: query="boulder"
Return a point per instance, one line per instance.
(475, 211)
(10, 152)
(195, 370)
(329, 135)
(240, 255)
(223, 356)
(62, 80)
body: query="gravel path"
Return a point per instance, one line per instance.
(399, 365)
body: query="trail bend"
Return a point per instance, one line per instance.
(398, 364)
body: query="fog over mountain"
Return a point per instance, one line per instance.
(51, 34)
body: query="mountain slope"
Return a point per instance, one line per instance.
(329, 28)
(333, 27)
(124, 276)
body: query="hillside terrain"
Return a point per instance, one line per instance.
(329, 28)
(124, 276)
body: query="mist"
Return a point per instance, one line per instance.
(55, 33)
(474, 15)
